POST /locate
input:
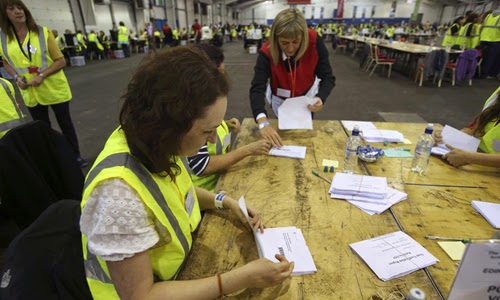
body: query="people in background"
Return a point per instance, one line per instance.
(37, 68)
(10, 114)
(139, 206)
(214, 158)
(167, 35)
(486, 127)
(123, 40)
(95, 45)
(490, 43)
(297, 64)
(104, 40)
(465, 34)
(196, 28)
(61, 45)
(451, 35)
(82, 43)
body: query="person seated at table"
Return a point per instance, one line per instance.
(214, 158)
(486, 127)
(139, 206)
(297, 64)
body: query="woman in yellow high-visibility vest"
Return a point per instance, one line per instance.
(486, 127)
(32, 57)
(139, 206)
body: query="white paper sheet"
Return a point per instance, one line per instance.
(363, 125)
(289, 151)
(293, 113)
(490, 211)
(359, 185)
(374, 207)
(393, 255)
(457, 139)
(380, 135)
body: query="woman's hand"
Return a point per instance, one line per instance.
(261, 147)
(456, 157)
(438, 138)
(36, 81)
(21, 83)
(265, 273)
(318, 106)
(255, 218)
(272, 136)
(234, 124)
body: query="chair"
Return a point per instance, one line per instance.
(435, 63)
(371, 58)
(357, 46)
(382, 61)
(465, 66)
(45, 261)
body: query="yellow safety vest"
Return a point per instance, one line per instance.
(462, 38)
(123, 35)
(390, 32)
(93, 39)
(490, 32)
(81, 41)
(173, 203)
(234, 33)
(54, 88)
(10, 114)
(220, 147)
(60, 43)
(448, 38)
(319, 31)
(492, 129)
(175, 33)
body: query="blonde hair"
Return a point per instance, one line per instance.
(290, 24)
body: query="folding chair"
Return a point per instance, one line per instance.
(382, 61)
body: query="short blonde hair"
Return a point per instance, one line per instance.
(290, 24)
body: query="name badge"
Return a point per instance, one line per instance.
(496, 145)
(190, 201)
(283, 93)
(227, 141)
(32, 49)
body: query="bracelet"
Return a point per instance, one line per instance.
(263, 124)
(219, 280)
(218, 201)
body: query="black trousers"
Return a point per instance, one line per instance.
(63, 116)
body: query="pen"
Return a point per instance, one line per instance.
(431, 237)
(316, 174)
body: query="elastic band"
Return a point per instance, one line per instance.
(220, 287)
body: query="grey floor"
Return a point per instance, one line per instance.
(97, 88)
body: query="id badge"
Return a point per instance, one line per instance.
(283, 93)
(496, 145)
(190, 201)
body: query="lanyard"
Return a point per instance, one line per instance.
(28, 56)
(293, 75)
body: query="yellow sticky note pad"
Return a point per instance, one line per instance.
(406, 142)
(329, 163)
(455, 250)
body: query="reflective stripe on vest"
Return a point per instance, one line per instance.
(497, 24)
(15, 122)
(93, 269)
(7, 90)
(43, 49)
(126, 160)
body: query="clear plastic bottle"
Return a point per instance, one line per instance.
(423, 150)
(415, 294)
(351, 152)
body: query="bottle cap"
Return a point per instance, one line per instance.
(416, 294)
(355, 130)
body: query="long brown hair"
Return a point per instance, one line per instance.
(5, 23)
(491, 113)
(170, 90)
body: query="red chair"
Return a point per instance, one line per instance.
(371, 58)
(382, 61)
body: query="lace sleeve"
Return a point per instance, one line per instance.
(117, 224)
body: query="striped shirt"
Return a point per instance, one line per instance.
(199, 162)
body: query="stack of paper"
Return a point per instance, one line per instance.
(457, 139)
(363, 125)
(393, 255)
(374, 207)
(289, 151)
(359, 187)
(490, 211)
(379, 135)
(287, 241)
(294, 114)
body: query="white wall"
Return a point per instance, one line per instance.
(123, 13)
(54, 14)
(103, 18)
(159, 12)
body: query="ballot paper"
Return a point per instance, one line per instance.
(363, 125)
(457, 139)
(393, 255)
(375, 207)
(345, 186)
(490, 211)
(380, 135)
(294, 114)
(289, 151)
(287, 241)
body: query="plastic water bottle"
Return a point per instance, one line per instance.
(351, 152)
(415, 294)
(423, 150)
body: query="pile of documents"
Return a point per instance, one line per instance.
(490, 211)
(368, 193)
(393, 255)
(380, 135)
(287, 241)
(298, 152)
(457, 139)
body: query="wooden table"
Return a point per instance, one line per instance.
(435, 210)
(287, 194)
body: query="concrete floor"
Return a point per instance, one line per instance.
(97, 88)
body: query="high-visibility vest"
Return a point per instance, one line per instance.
(319, 31)
(54, 88)
(490, 32)
(475, 34)
(390, 32)
(462, 38)
(10, 114)
(81, 40)
(93, 39)
(220, 147)
(234, 33)
(123, 35)
(492, 129)
(175, 34)
(60, 43)
(173, 203)
(448, 38)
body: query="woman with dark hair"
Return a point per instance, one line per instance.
(32, 57)
(140, 207)
(486, 127)
(451, 36)
(465, 34)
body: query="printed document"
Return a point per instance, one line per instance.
(490, 211)
(393, 255)
(376, 207)
(457, 139)
(380, 135)
(363, 125)
(294, 114)
(289, 151)
(287, 241)
(371, 187)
